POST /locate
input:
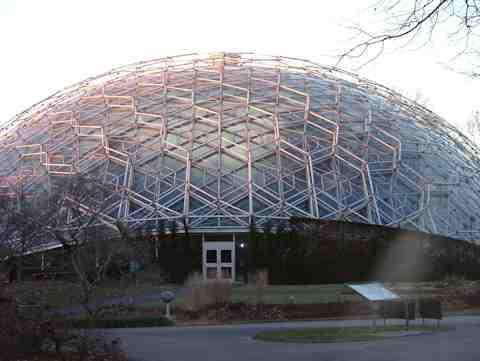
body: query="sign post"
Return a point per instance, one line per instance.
(374, 293)
(167, 297)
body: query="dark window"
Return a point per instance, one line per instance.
(226, 256)
(211, 256)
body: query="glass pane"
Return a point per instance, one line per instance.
(226, 256)
(226, 272)
(211, 256)
(211, 273)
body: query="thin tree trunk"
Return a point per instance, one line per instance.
(19, 268)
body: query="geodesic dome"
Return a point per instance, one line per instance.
(216, 141)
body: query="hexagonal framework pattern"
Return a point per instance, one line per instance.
(219, 140)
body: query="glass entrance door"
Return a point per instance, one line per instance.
(219, 260)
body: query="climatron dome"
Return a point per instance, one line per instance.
(218, 141)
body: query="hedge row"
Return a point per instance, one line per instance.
(308, 251)
(122, 323)
(315, 252)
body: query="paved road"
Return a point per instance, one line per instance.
(235, 343)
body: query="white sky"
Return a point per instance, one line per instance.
(47, 44)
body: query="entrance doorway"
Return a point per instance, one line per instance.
(218, 260)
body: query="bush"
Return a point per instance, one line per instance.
(27, 335)
(259, 284)
(85, 323)
(242, 311)
(19, 336)
(89, 346)
(199, 294)
(472, 298)
(218, 291)
(327, 251)
(452, 281)
(195, 295)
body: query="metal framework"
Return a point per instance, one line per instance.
(219, 140)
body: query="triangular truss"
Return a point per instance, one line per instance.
(217, 141)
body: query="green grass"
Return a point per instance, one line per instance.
(284, 294)
(339, 334)
(299, 294)
(290, 294)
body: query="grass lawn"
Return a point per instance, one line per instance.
(290, 294)
(283, 294)
(60, 294)
(341, 334)
(305, 294)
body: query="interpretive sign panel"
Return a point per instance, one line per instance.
(373, 291)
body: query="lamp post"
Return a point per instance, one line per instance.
(243, 261)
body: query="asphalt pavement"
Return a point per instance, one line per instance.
(235, 343)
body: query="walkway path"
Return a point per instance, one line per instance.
(123, 300)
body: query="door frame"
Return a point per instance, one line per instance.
(218, 246)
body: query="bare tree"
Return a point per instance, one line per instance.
(137, 248)
(81, 214)
(78, 213)
(420, 98)
(417, 96)
(472, 127)
(20, 222)
(419, 22)
(78, 219)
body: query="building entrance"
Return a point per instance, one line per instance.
(218, 260)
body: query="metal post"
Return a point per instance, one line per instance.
(167, 310)
(406, 313)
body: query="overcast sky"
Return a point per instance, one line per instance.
(47, 45)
